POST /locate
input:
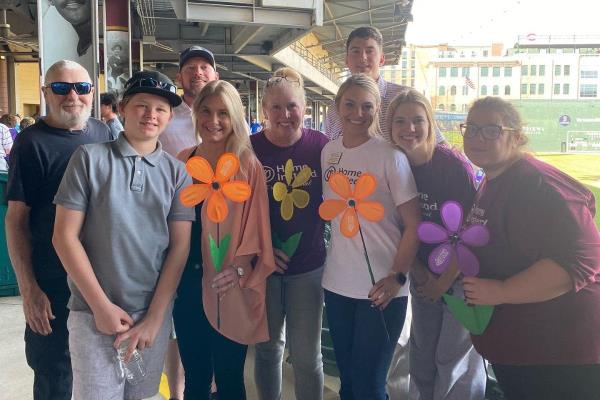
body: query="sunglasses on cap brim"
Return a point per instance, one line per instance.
(64, 88)
(152, 83)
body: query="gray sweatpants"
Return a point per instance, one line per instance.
(443, 362)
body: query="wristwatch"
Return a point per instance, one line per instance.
(401, 278)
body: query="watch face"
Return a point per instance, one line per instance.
(240, 271)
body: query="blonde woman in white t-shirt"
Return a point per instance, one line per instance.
(365, 320)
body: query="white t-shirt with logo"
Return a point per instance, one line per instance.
(346, 271)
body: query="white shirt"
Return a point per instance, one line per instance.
(346, 271)
(6, 144)
(180, 133)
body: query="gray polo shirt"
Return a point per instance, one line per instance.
(128, 201)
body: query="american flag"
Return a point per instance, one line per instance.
(469, 82)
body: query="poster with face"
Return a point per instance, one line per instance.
(67, 32)
(117, 61)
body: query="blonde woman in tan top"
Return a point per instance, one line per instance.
(234, 298)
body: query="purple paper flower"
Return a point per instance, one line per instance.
(453, 238)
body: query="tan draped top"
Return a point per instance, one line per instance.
(242, 309)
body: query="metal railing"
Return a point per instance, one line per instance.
(315, 62)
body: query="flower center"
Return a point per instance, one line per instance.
(216, 185)
(454, 238)
(351, 203)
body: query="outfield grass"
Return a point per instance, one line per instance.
(583, 167)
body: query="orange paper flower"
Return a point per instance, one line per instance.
(215, 185)
(352, 203)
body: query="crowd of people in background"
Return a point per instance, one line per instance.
(179, 229)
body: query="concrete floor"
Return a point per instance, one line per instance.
(16, 378)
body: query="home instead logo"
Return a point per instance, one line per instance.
(351, 174)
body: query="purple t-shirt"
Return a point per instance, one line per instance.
(304, 221)
(447, 176)
(534, 211)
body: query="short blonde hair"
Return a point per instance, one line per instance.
(511, 118)
(367, 83)
(238, 142)
(415, 97)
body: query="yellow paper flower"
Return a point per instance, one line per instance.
(288, 193)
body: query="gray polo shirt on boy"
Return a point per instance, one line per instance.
(128, 201)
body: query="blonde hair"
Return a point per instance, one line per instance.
(510, 116)
(238, 142)
(364, 82)
(289, 77)
(415, 97)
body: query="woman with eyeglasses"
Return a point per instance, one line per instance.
(233, 298)
(541, 267)
(366, 318)
(443, 363)
(291, 156)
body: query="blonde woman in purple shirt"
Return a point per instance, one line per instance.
(541, 268)
(443, 363)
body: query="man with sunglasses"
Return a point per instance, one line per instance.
(38, 160)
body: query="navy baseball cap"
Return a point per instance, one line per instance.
(152, 82)
(197, 51)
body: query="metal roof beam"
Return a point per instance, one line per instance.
(229, 14)
(359, 13)
(241, 35)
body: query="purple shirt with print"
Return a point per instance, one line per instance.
(535, 212)
(447, 176)
(305, 221)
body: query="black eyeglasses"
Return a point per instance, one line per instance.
(152, 83)
(64, 88)
(488, 132)
(276, 80)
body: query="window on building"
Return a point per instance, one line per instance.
(464, 108)
(589, 74)
(565, 88)
(453, 90)
(404, 73)
(569, 50)
(484, 90)
(465, 90)
(507, 90)
(442, 72)
(484, 71)
(404, 63)
(403, 82)
(485, 53)
(441, 107)
(588, 90)
(533, 70)
(556, 88)
(567, 70)
(495, 90)
(557, 69)
(532, 89)
(541, 89)
(473, 54)
(524, 70)
(542, 70)
(507, 71)
(454, 71)
(442, 91)
(524, 88)
(496, 71)
(452, 107)
(412, 73)
(465, 71)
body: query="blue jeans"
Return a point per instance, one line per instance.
(295, 310)
(363, 349)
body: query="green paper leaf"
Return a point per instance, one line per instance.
(217, 253)
(289, 246)
(474, 318)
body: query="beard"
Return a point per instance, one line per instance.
(71, 118)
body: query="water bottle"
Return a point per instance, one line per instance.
(134, 370)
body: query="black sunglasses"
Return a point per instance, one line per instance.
(151, 83)
(64, 88)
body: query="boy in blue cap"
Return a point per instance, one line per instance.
(123, 237)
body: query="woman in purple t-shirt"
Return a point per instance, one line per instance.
(443, 363)
(291, 157)
(541, 267)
